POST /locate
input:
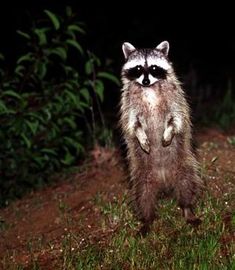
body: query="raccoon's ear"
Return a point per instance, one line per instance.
(127, 49)
(164, 47)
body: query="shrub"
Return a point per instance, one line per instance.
(47, 104)
(225, 111)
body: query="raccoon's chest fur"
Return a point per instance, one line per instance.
(150, 104)
(150, 97)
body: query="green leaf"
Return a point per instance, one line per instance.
(26, 140)
(54, 19)
(49, 151)
(42, 38)
(71, 142)
(89, 67)
(19, 69)
(41, 69)
(33, 126)
(33, 115)
(68, 158)
(75, 44)
(72, 96)
(59, 99)
(26, 57)
(39, 160)
(72, 35)
(108, 76)
(55, 129)
(74, 27)
(12, 94)
(48, 114)
(99, 89)
(23, 34)
(60, 51)
(92, 57)
(67, 69)
(74, 82)
(9, 111)
(3, 107)
(85, 93)
(69, 85)
(80, 107)
(70, 122)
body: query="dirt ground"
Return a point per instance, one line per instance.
(41, 220)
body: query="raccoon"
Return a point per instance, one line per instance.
(156, 126)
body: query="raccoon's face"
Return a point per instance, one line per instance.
(146, 66)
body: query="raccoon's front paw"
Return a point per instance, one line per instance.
(145, 145)
(168, 136)
(166, 143)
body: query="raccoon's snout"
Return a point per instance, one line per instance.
(146, 81)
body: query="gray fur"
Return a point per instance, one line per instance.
(156, 126)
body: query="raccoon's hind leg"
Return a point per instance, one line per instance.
(145, 198)
(187, 191)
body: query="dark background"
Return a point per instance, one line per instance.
(202, 39)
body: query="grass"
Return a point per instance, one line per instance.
(171, 244)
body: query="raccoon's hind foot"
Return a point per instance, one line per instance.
(190, 217)
(194, 222)
(144, 230)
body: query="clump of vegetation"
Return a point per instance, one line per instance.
(225, 111)
(48, 103)
(222, 112)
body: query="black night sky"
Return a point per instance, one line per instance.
(200, 37)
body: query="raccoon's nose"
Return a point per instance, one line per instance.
(146, 81)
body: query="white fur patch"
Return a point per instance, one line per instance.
(133, 63)
(150, 96)
(132, 120)
(160, 62)
(152, 79)
(178, 122)
(141, 136)
(140, 79)
(168, 133)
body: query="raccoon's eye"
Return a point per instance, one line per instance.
(157, 72)
(135, 72)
